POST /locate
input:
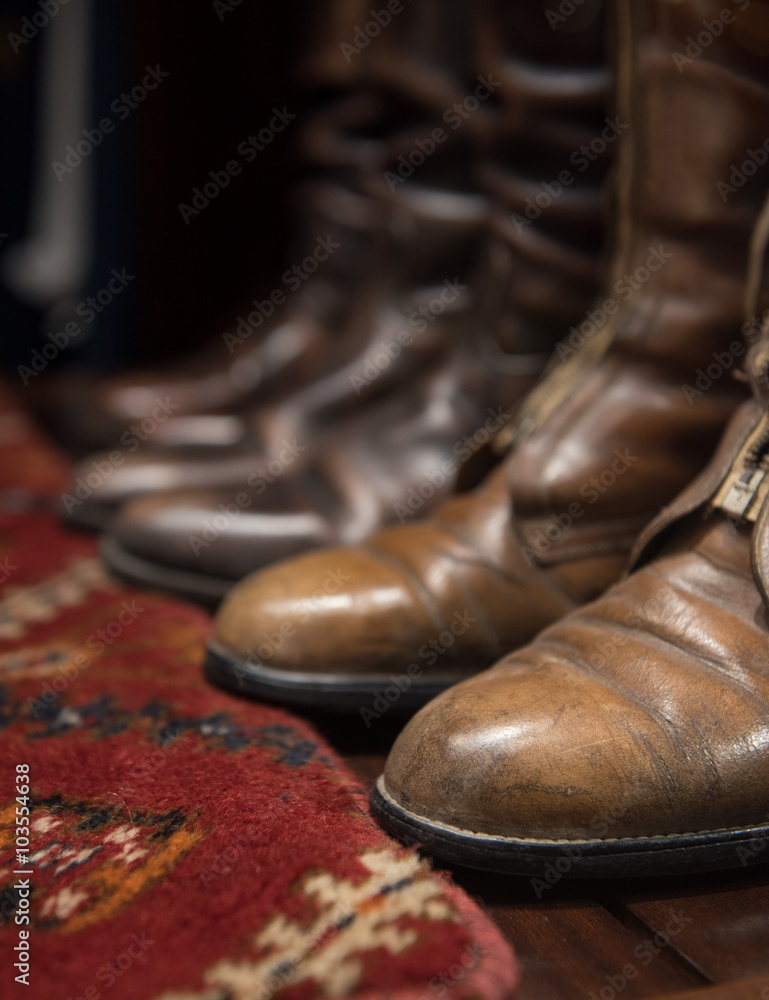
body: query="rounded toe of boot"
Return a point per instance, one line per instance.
(104, 482)
(328, 628)
(531, 768)
(515, 752)
(199, 543)
(628, 739)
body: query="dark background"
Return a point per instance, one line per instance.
(228, 69)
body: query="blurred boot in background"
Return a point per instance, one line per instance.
(369, 110)
(384, 446)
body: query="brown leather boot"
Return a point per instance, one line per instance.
(631, 737)
(364, 462)
(615, 431)
(370, 105)
(370, 255)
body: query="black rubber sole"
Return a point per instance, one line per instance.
(550, 860)
(206, 590)
(370, 694)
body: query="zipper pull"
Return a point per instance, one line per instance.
(738, 493)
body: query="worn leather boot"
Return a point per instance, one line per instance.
(369, 106)
(401, 447)
(615, 431)
(371, 261)
(631, 737)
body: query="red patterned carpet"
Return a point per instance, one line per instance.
(184, 844)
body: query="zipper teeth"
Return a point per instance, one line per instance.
(758, 454)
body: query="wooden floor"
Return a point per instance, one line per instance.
(596, 939)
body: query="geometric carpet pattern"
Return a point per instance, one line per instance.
(181, 843)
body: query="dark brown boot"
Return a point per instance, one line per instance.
(621, 424)
(377, 444)
(367, 255)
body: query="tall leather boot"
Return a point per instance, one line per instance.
(614, 432)
(367, 256)
(632, 737)
(369, 105)
(397, 445)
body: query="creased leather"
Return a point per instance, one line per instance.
(611, 437)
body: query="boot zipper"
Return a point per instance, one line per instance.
(746, 485)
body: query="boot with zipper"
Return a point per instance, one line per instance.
(632, 737)
(616, 429)
(362, 463)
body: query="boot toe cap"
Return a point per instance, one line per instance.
(336, 610)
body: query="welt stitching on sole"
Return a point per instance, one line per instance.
(501, 838)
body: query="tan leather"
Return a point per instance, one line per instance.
(397, 592)
(643, 714)
(613, 434)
